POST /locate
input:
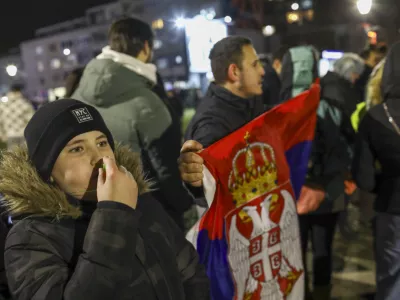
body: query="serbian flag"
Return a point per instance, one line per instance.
(249, 237)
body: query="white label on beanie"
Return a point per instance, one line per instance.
(82, 115)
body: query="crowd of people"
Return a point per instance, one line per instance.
(94, 187)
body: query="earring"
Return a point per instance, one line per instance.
(51, 179)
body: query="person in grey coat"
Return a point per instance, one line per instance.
(119, 83)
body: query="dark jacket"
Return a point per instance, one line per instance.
(271, 87)
(219, 114)
(332, 152)
(62, 248)
(362, 82)
(137, 117)
(376, 166)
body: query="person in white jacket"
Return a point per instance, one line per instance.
(15, 113)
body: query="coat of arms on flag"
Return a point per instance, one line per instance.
(249, 238)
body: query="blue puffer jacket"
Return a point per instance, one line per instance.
(332, 153)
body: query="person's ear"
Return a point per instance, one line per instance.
(233, 73)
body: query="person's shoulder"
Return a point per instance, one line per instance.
(47, 228)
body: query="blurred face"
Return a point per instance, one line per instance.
(250, 76)
(75, 170)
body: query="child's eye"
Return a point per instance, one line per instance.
(76, 150)
(103, 143)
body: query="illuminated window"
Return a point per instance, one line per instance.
(55, 63)
(158, 24)
(39, 50)
(292, 17)
(157, 44)
(40, 66)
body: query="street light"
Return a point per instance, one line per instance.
(295, 6)
(11, 70)
(268, 30)
(67, 51)
(228, 19)
(364, 6)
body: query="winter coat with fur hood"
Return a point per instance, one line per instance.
(62, 248)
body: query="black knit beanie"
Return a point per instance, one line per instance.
(54, 125)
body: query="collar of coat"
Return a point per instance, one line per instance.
(25, 193)
(146, 70)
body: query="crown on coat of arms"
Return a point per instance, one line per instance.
(254, 172)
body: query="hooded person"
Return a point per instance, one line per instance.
(84, 225)
(376, 169)
(120, 84)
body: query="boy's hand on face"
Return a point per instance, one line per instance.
(116, 184)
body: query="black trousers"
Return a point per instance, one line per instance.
(320, 229)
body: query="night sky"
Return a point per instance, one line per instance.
(20, 18)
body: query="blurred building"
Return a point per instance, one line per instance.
(57, 49)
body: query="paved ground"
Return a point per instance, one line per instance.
(354, 267)
(354, 276)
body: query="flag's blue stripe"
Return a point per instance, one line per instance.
(298, 157)
(214, 255)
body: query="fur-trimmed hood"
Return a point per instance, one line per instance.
(25, 193)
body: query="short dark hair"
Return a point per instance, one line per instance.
(128, 36)
(226, 52)
(17, 87)
(280, 53)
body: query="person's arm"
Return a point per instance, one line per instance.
(36, 269)
(204, 132)
(153, 120)
(364, 168)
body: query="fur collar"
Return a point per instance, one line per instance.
(26, 193)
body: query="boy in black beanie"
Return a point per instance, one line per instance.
(80, 230)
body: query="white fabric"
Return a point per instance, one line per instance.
(210, 186)
(139, 67)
